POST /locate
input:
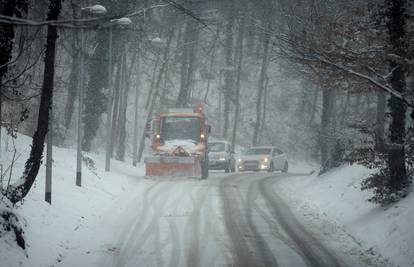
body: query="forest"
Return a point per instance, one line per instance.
(327, 81)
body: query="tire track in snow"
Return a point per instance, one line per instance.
(153, 229)
(312, 251)
(175, 243)
(130, 241)
(193, 254)
(174, 233)
(132, 226)
(187, 186)
(275, 227)
(261, 245)
(234, 220)
(208, 233)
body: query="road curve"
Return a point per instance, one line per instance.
(227, 220)
(313, 252)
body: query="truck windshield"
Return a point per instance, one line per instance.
(258, 151)
(181, 128)
(216, 147)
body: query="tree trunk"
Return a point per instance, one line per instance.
(156, 93)
(396, 155)
(19, 190)
(149, 116)
(187, 63)
(95, 99)
(165, 70)
(265, 95)
(324, 134)
(260, 90)
(228, 73)
(114, 121)
(345, 109)
(73, 77)
(152, 84)
(120, 155)
(313, 108)
(240, 38)
(212, 57)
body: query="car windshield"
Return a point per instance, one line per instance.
(258, 151)
(216, 147)
(182, 128)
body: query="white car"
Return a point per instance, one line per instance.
(263, 158)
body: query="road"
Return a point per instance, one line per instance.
(226, 220)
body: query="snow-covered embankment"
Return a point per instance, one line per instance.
(334, 199)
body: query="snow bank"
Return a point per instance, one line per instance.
(336, 195)
(60, 233)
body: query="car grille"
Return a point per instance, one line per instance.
(251, 164)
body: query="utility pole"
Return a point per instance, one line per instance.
(135, 144)
(48, 191)
(95, 9)
(109, 129)
(80, 109)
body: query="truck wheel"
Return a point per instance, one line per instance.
(271, 167)
(232, 168)
(204, 170)
(227, 169)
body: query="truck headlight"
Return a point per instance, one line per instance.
(265, 160)
(222, 159)
(239, 160)
(264, 166)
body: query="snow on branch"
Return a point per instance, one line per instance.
(71, 23)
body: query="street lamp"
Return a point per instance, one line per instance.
(95, 9)
(123, 22)
(157, 40)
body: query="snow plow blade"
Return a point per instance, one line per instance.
(172, 166)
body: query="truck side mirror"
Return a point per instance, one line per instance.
(208, 129)
(148, 128)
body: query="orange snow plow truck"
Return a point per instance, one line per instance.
(179, 144)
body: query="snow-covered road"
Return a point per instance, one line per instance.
(226, 220)
(120, 218)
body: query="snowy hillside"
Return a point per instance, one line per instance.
(78, 219)
(336, 199)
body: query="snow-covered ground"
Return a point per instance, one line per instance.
(334, 201)
(122, 219)
(79, 219)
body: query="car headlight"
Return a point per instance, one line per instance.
(265, 160)
(239, 160)
(222, 159)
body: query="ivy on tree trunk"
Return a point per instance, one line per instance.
(19, 190)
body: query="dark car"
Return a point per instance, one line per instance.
(220, 156)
